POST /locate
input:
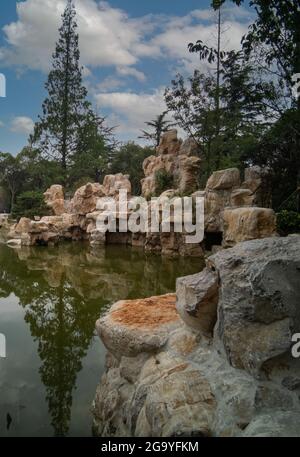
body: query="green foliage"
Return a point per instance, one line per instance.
(159, 125)
(276, 29)
(279, 150)
(30, 204)
(163, 181)
(129, 160)
(68, 130)
(288, 222)
(225, 133)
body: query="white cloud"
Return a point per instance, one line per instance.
(110, 37)
(107, 35)
(1, 124)
(131, 110)
(130, 71)
(22, 124)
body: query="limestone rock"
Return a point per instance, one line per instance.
(112, 184)
(180, 160)
(85, 198)
(169, 143)
(259, 181)
(248, 223)
(259, 300)
(54, 199)
(136, 326)
(167, 377)
(224, 180)
(197, 300)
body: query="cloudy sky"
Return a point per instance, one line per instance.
(130, 50)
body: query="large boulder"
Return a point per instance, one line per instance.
(224, 180)
(258, 309)
(55, 199)
(136, 326)
(86, 197)
(247, 223)
(197, 300)
(169, 143)
(112, 184)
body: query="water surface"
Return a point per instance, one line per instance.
(50, 298)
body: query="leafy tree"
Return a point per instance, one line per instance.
(66, 108)
(277, 29)
(213, 55)
(30, 204)
(98, 143)
(129, 160)
(11, 175)
(243, 115)
(159, 125)
(278, 149)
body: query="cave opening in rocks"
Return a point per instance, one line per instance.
(212, 239)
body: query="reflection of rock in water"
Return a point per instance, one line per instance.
(62, 291)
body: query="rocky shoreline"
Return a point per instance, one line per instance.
(213, 360)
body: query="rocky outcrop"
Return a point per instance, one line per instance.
(224, 189)
(247, 223)
(55, 199)
(180, 160)
(226, 369)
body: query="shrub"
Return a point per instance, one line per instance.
(30, 204)
(288, 222)
(163, 181)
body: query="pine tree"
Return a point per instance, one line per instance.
(66, 107)
(159, 126)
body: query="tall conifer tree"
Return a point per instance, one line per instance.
(66, 107)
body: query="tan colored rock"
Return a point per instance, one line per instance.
(259, 181)
(134, 326)
(189, 148)
(197, 300)
(248, 223)
(242, 197)
(189, 170)
(85, 198)
(181, 160)
(228, 179)
(22, 226)
(169, 143)
(112, 184)
(54, 199)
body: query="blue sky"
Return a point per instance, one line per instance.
(130, 51)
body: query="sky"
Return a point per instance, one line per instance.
(130, 51)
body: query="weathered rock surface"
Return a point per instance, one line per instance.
(247, 223)
(123, 329)
(55, 199)
(226, 369)
(178, 159)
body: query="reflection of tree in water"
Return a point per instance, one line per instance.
(63, 326)
(63, 290)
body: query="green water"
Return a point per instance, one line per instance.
(50, 299)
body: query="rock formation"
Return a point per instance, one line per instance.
(226, 369)
(55, 199)
(232, 207)
(175, 158)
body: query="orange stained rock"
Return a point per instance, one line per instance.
(146, 313)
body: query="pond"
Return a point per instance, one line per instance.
(50, 299)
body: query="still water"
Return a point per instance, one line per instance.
(50, 299)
